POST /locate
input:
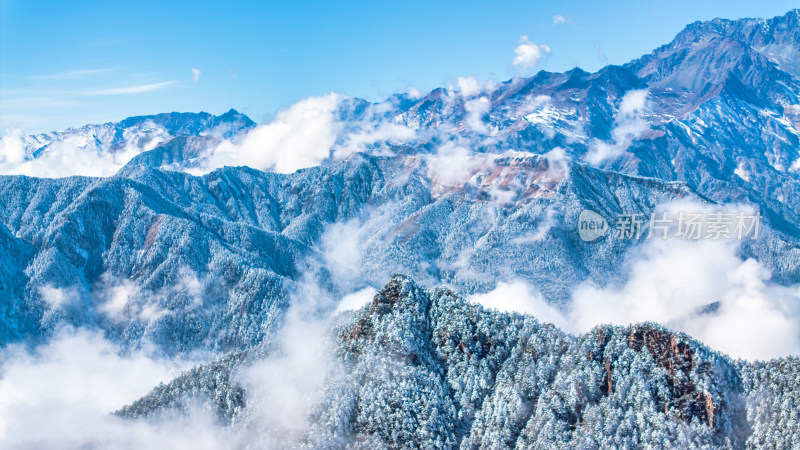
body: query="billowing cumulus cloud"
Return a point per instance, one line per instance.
(60, 396)
(12, 148)
(529, 54)
(299, 136)
(701, 287)
(470, 86)
(518, 296)
(285, 387)
(304, 135)
(356, 299)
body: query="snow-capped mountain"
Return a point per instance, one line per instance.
(142, 132)
(468, 200)
(424, 368)
(196, 234)
(101, 150)
(244, 237)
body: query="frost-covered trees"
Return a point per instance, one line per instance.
(424, 368)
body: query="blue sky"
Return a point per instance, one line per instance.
(65, 64)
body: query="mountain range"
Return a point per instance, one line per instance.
(178, 245)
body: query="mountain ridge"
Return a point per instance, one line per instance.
(503, 382)
(187, 247)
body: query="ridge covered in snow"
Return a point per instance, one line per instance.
(262, 250)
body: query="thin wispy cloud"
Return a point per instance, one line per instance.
(196, 74)
(136, 89)
(37, 102)
(567, 21)
(629, 125)
(601, 54)
(71, 74)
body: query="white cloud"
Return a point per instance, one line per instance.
(55, 297)
(122, 300)
(529, 53)
(633, 102)
(629, 125)
(71, 156)
(549, 220)
(196, 74)
(671, 282)
(284, 388)
(117, 299)
(367, 136)
(468, 86)
(413, 92)
(454, 164)
(134, 89)
(299, 136)
(310, 132)
(12, 148)
(700, 287)
(517, 296)
(61, 396)
(356, 299)
(471, 87)
(559, 19)
(341, 249)
(557, 161)
(72, 74)
(476, 109)
(532, 103)
(77, 153)
(303, 135)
